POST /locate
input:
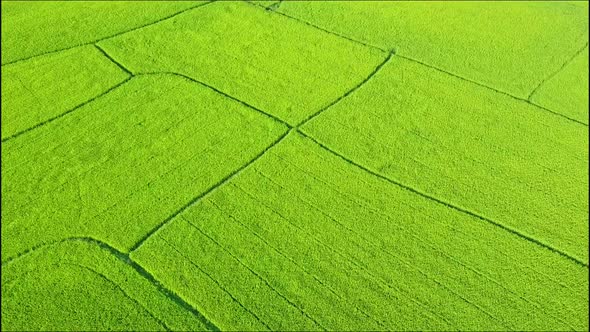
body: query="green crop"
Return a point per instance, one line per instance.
(45, 88)
(83, 284)
(295, 76)
(32, 28)
(294, 166)
(508, 45)
(567, 91)
(353, 251)
(497, 156)
(127, 161)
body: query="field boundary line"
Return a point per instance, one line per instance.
(319, 28)
(273, 117)
(109, 36)
(59, 116)
(552, 75)
(200, 196)
(493, 89)
(125, 258)
(449, 205)
(192, 80)
(107, 279)
(350, 91)
(271, 8)
(110, 58)
(275, 6)
(432, 66)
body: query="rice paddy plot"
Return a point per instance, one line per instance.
(81, 284)
(31, 28)
(567, 91)
(282, 165)
(46, 87)
(305, 240)
(483, 151)
(119, 166)
(275, 64)
(509, 45)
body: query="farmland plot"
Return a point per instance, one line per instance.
(469, 146)
(508, 45)
(46, 87)
(275, 165)
(34, 28)
(567, 91)
(82, 284)
(302, 234)
(108, 169)
(281, 66)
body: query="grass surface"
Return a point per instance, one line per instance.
(276, 165)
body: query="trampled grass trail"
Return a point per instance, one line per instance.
(283, 165)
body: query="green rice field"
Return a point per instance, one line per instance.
(294, 166)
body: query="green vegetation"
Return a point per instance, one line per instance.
(354, 252)
(282, 165)
(81, 284)
(46, 87)
(270, 4)
(508, 45)
(32, 28)
(567, 92)
(464, 144)
(125, 162)
(278, 65)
